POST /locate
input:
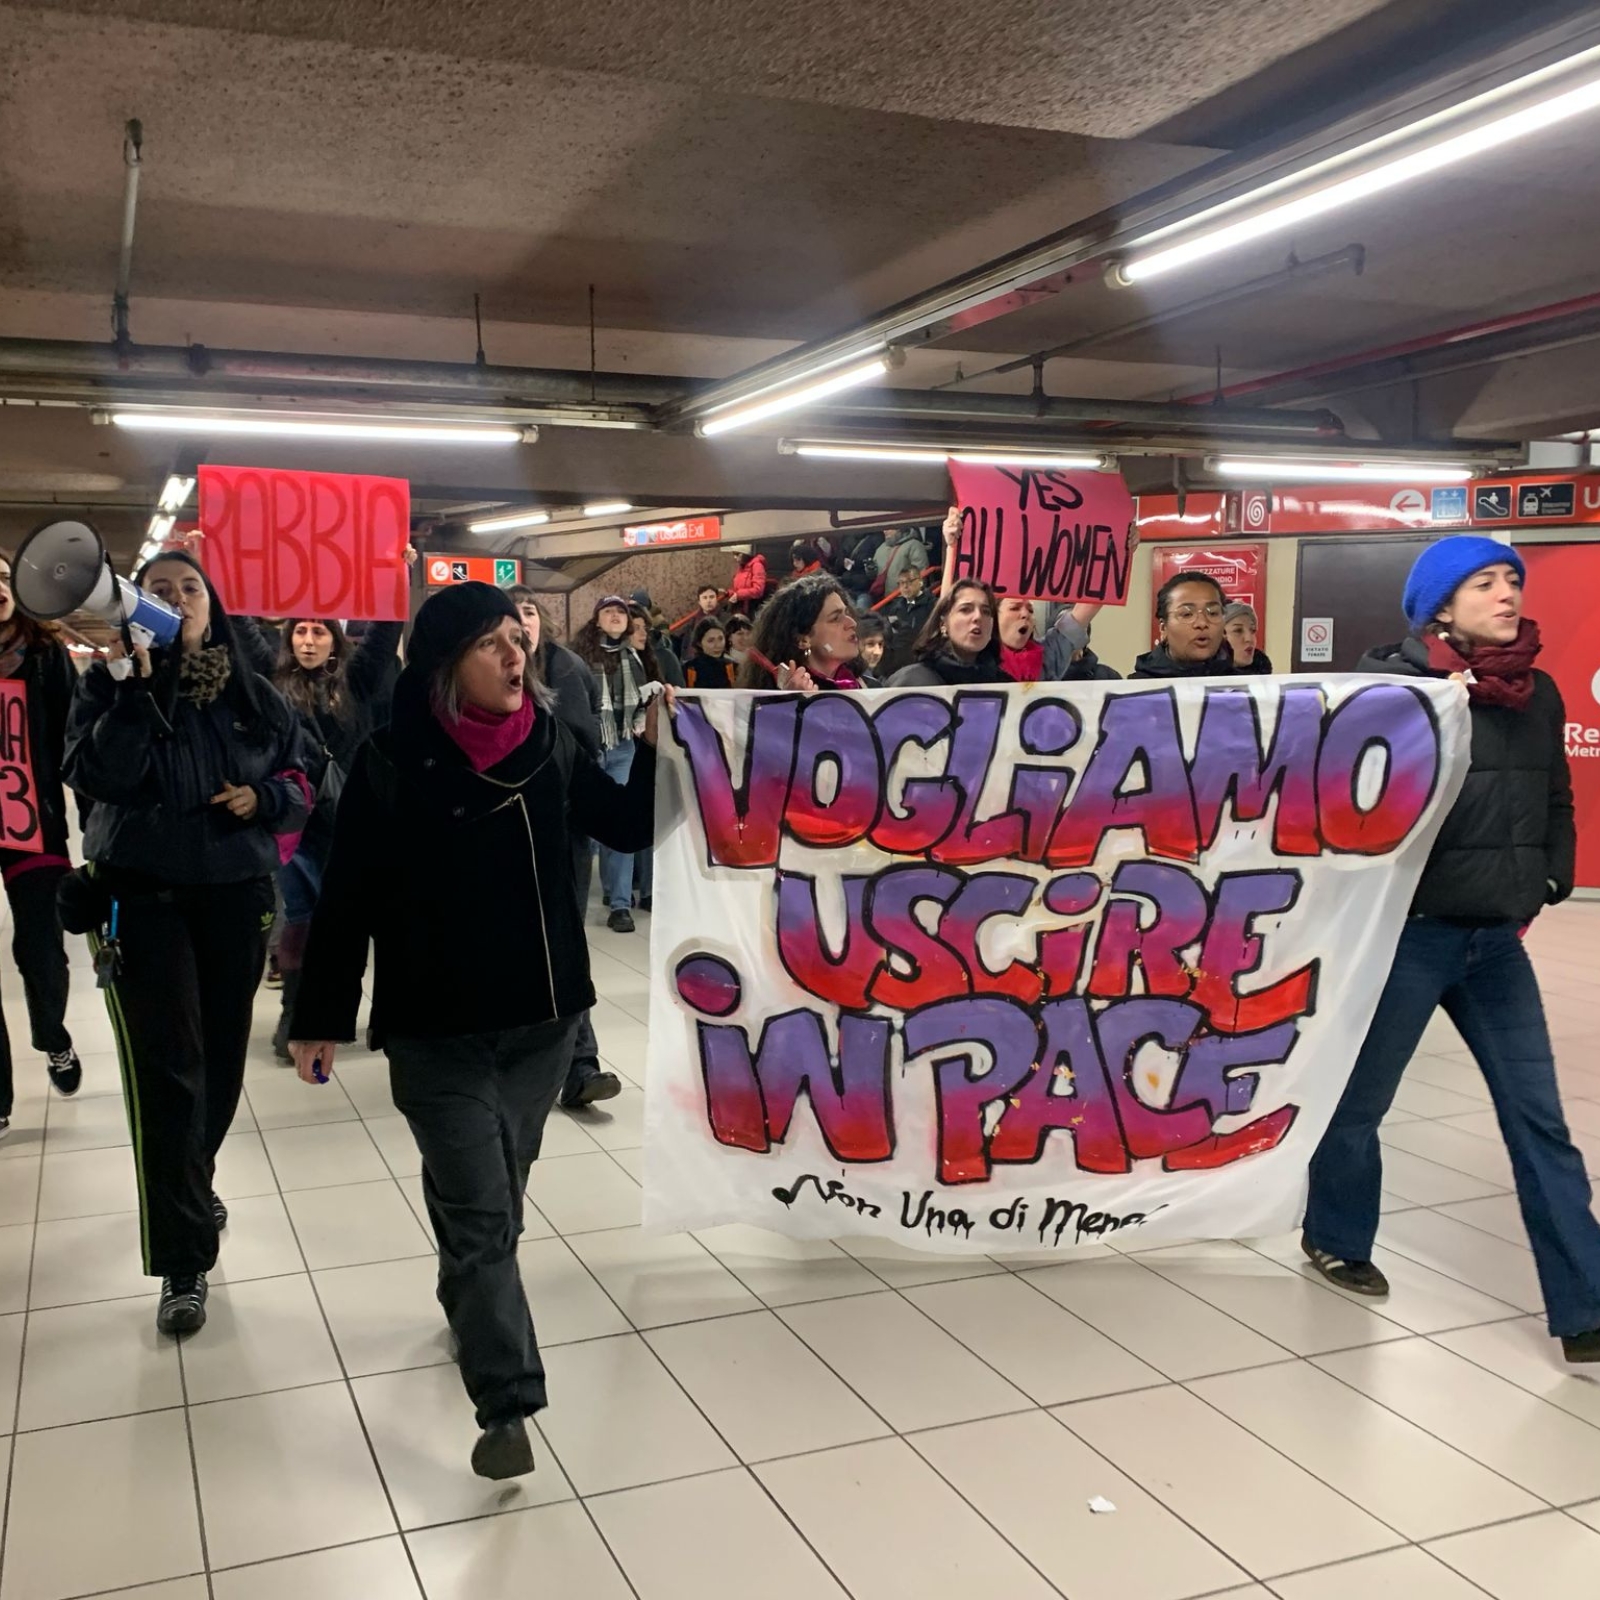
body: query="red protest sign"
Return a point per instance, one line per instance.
(19, 799)
(307, 544)
(1044, 535)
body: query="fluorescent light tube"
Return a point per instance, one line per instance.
(607, 508)
(521, 519)
(1210, 232)
(160, 527)
(1044, 461)
(1270, 470)
(175, 495)
(741, 414)
(397, 432)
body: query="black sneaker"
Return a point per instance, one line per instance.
(503, 1451)
(1582, 1346)
(219, 1212)
(183, 1304)
(66, 1071)
(620, 921)
(1359, 1277)
(5, 1126)
(274, 973)
(596, 1086)
(646, 902)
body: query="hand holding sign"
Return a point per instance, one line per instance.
(1044, 535)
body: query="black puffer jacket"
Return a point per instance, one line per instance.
(462, 880)
(153, 764)
(1508, 847)
(1158, 663)
(939, 668)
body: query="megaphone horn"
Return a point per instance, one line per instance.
(62, 567)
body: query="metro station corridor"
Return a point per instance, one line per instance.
(733, 1414)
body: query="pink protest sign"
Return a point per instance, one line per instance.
(1044, 535)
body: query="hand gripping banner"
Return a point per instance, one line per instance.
(1020, 968)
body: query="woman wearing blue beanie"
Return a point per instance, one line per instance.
(1505, 852)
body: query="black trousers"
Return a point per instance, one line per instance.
(477, 1107)
(40, 951)
(181, 1010)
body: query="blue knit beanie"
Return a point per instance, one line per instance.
(1443, 567)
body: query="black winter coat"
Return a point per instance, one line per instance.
(941, 670)
(48, 673)
(1509, 846)
(577, 693)
(709, 672)
(1158, 663)
(462, 881)
(153, 763)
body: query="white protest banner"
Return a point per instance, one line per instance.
(1017, 968)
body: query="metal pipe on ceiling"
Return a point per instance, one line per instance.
(74, 360)
(1294, 271)
(111, 375)
(1081, 249)
(132, 158)
(919, 405)
(1468, 333)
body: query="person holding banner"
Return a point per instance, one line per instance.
(33, 658)
(482, 965)
(1505, 852)
(195, 768)
(1189, 612)
(958, 646)
(805, 639)
(603, 644)
(335, 687)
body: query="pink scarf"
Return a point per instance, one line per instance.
(1025, 665)
(488, 737)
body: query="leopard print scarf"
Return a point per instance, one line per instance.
(203, 675)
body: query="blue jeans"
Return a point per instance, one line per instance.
(616, 868)
(1484, 981)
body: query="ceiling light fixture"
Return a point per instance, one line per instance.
(805, 390)
(1485, 122)
(1040, 458)
(519, 519)
(267, 425)
(175, 495)
(607, 508)
(1268, 469)
(160, 528)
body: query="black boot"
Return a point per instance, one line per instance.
(280, 1036)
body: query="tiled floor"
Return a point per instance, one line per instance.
(739, 1415)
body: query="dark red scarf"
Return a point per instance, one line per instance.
(1496, 674)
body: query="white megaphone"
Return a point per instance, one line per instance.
(62, 567)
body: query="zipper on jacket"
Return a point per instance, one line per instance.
(538, 894)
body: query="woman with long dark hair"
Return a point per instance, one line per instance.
(807, 630)
(708, 666)
(335, 687)
(32, 654)
(957, 644)
(623, 674)
(482, 966)
(1506, 850)
(195, 768)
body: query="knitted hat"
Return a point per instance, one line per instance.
(1237, 609)
(453, 617)
(1443, 567)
